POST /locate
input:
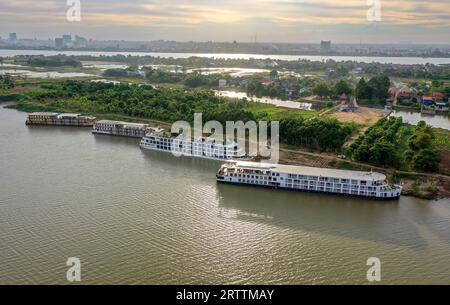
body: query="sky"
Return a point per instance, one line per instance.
(298, 21)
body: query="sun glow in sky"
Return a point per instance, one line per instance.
(226, 20)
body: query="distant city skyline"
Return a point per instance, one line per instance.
(282, 21)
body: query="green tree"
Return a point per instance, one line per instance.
(363, 91)
(383, 153)
(422, 138)
(322, 89)
(6, 82)
(379, 86)
(427, 160)
(133, 68)
(274, 74)
(343, 87)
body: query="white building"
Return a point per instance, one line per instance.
(222, 83)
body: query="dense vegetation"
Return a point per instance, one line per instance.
(333, 68)
(6, 82)
(140, 101)
(375, 89)
(390, 143)
(115, 73)
(49, 61)
(323, 135)
(196, 80)
(171, 105)
(258, 89)
(338, 75)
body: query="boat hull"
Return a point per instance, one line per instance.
(116, 134)
(194, 156)
(83, 125)
(308, 191)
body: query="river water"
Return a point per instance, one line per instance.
(439, 120)
(366, 59)
(265, 100)
(136, 216)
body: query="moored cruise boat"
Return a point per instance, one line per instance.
(200, 148)
(309, 179)
(124, 129)
(60, 119)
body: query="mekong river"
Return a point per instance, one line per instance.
(134, 216)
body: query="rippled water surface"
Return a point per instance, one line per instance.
(134, 216)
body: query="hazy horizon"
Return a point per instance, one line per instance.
(264, 21)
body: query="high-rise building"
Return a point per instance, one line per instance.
(325, 46)
(67, 40)
(80, 42)
(13, 36)
(59, 43)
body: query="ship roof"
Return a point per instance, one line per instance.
(67, 115)
(312, 171)
(122, 123)
(44, 113)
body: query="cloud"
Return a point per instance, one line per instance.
(245, 17)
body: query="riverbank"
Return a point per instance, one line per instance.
(419, 185)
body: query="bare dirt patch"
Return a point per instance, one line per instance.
(445, 161)
(364, 116)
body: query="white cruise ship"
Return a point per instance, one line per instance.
(60, 119)
(309, 179)
(201, 148)
(124, 129)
